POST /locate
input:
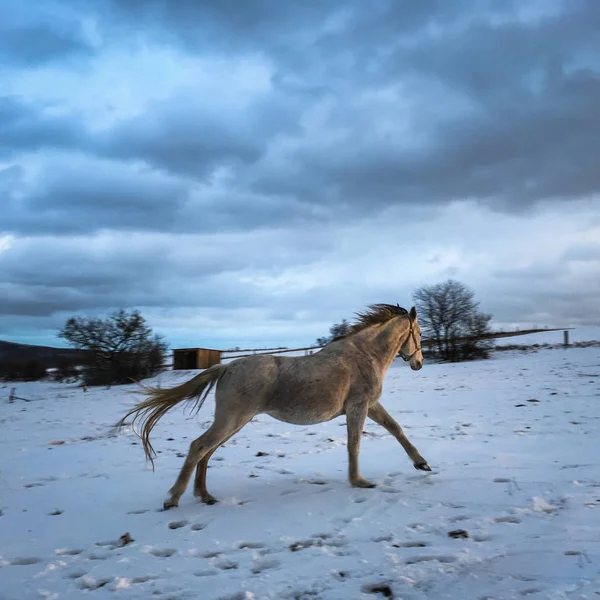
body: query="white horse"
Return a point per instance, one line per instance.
(343, 378)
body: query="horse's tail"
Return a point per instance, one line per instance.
(159, 401)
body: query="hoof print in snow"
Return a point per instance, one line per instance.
(410, 545)
(95, 556)
(205, 573)
(56, 513)
(91, 583)
(458, 534)
(250, 545)
(262, 454)
(382, 589)
(533, 400)
(177, 524)
(413, 560)
(529, 591)
(25, 561)
(507, 519)
(68, 551)
(262, 564)
(162, 552)
(198, 527)
(383, 538)
(75, 574)
(301, 545)
(225, 564)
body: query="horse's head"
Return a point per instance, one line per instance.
(411, 347)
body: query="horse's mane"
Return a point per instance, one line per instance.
(375, 314)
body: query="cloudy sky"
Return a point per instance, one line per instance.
(248, 173)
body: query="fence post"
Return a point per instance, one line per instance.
(11, 397)
(566, 338)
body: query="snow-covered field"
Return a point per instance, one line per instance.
(514, 443)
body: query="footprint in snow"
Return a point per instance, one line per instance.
(24, 561)
(250, 545)
(507, 519)
(177, 524)
(162, 552)
(382, 589)
(75, 574)
(225, 564)
(88, 582)
(206, 573)
(411, 544)
(95, 556)
(68, 551)
(382, 538)
(442, 558)
(262, 564)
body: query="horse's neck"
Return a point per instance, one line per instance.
(383, 342)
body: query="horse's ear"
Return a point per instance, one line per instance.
(413, 313)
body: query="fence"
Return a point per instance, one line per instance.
(425, 343)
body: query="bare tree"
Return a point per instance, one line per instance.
(448, 313)
(121, 347)
(335, 331)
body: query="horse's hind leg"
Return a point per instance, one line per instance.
(383, 418)
(208, 442)
(200, 490)
(355, 420)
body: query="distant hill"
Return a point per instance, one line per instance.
(46, 355)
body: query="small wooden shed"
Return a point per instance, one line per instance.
(195, 358)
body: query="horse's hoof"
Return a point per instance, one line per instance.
(210, 500)
(363, 483)
(170, 503)
(422, 467)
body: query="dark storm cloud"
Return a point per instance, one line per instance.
(221, 25)
(72, 195)
(75, 196)
(35, 36)
(276, 119)
(505, 113)
(491, 106)
(189, 136)
(39, 44)
(499, 100)
(27, 127)
(42, 275)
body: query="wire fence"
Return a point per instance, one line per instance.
(425, 343)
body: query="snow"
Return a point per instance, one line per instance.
(520, 477)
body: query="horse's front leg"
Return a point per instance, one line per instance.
(383, 418)
(355, 420)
